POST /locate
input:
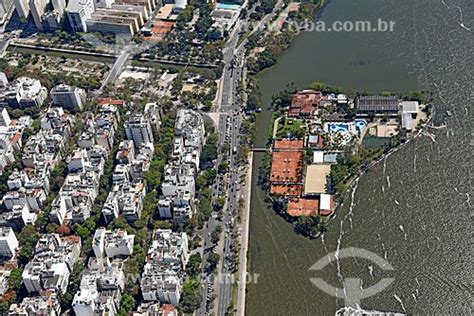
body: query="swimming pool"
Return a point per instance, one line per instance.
(360, 124)
(228, 6)
(339, 128)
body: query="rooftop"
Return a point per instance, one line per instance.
(303, 207)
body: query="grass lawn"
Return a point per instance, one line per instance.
(290, 127)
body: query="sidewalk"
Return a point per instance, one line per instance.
(244, 241)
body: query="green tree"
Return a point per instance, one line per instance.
(191, 297)
(193, 268)
(212, 261)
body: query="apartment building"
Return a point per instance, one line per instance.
(8, 243)
(112, 243)
(52, 263)
(166, 258)
(71, 98)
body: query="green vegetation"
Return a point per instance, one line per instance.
(193, 268)
(127, 304)
(191, 297)
(209, 151)
(212, 261)
(27, 239)
(310, 226)
(216, 234)
(184, 17)
(160, 157)
(290, 127)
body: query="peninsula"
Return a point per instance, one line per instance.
(322, 139)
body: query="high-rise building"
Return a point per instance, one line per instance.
(22, 7)
(3, 80)
(51, 20)
(5, 7)
(8, 242)
(138, 129)
(4, 117)
(37, 9)
(78, 12)
(59, 5)
(68, 97)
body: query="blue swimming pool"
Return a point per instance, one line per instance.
(360, 124)
(340, 127)
(228, 6)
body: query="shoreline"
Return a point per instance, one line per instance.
(242, 285)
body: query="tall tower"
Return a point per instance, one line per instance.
(22, 8)
(59, 5)
(37, 8)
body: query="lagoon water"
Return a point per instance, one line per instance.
(414, 208)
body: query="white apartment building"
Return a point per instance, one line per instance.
(46, 304)
(78, 12)
(112, 243)
(4, 117)
(22, 7)
(100, 289)
(8, 243)
(25, 93)
(166, 258)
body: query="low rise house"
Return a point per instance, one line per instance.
(304, 103)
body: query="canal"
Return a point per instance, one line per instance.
(412, 208)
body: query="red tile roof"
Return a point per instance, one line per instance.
(304, 103)
(15, 138)
(303, 207)
(103, 101)
(286, 189)
(286, 144)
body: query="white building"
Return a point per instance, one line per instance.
(162, 275)
(37, 9)
(78, 12)
(3, 80)
(25, 93)
(59, 5)
(68, 97)
(409, 111)
(138, 129)
(22, 7)
(112, 243)
(8, 242)
(46, 304)
(52, 264)
(100, 289)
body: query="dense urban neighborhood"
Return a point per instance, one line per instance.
(127, 139)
